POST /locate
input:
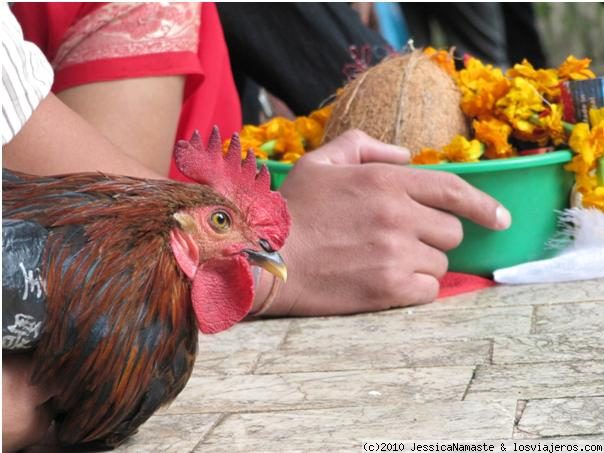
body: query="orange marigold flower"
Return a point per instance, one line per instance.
(251, 137)
(310, 130)
(588, 144)
(594, 198)
(251, 132)
(463, 150)
(481, 87)
(322, 115)
(257, 152)
(544, 80)
(443, 59)
(291, 158)
(286, 135)
(583, 142)
(575, 69)
(552, 123)
(578, 166)
(494, 134)
(428, 156)
(520, 104)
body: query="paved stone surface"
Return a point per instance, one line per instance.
(509, 362)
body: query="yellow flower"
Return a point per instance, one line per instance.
(578, 165)
(544, 80)
(256, 133)
(594, 198)
(284, 132)
(251, 137)
(462, 150)
(552, 123)
(310, 130)
(494, 134)
(596, 116)
(575, 69)
(443, 59)
(322, 115)
(597, 138)
(519, 105)
(481, 87)
(428, 156)
(588, 144)
(291, 158)
(581, 143)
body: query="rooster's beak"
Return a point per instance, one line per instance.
(270, 261)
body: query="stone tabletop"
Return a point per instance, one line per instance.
(508, 362)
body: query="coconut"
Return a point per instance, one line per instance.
(407, 100)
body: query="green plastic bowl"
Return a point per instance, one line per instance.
(278, 170)
(532, 188)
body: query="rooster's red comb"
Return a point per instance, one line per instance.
(237, 180)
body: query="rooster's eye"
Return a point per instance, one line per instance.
(220, 221)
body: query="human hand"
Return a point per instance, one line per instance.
(25, 419)
(368, 235)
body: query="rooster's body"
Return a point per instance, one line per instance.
(131, 269)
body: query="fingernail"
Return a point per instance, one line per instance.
(504, 218)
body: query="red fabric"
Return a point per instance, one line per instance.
(210, 96)
(454, 283)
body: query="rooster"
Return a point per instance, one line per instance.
(131, 269)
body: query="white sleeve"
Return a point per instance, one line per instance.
(26, 75)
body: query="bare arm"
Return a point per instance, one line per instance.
(56, 140)
(139, 116)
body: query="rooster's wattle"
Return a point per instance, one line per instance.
(131, 268)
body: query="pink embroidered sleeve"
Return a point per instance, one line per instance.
(124, 40)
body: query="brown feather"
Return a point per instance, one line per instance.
(120, 336)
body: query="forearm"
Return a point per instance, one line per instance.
(56, 140)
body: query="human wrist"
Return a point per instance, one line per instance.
(267, 287)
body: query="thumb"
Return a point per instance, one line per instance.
(356, 147)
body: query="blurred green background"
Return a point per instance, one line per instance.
(572, 28)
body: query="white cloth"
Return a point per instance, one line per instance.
(26, 75)
(581, 259)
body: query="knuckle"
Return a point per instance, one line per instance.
(390, 287)
(355, 135)
(385, 248)
(432, 290)
(385, 216)
(371, 178)
(379, 178)
(452, 188)
(441, 264)
(419, 290)
(392, 279)
(455, 231)
(428, 290)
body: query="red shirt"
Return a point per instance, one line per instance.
(93, 42)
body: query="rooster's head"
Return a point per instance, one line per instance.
(216, 244)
